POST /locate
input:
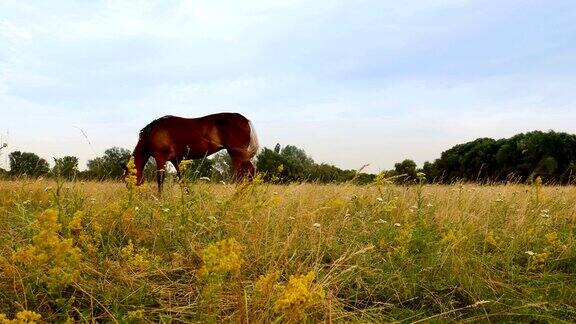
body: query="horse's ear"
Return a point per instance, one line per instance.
(123, 166)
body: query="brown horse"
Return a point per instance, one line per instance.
(173, 139)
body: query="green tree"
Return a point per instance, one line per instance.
(297, 164)
(271, 164)
(523, 157)
(27, 164)
(290, 163)
(108, 166)
(365, 178)
(432, 174)
(284, 164)
(326, 173)
(66, 167)
(405, 170)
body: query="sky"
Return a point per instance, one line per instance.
(351, 82)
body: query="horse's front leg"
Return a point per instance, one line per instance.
(237, 171)
(160, 173)
(248, 170)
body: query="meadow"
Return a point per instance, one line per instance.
(256, 252)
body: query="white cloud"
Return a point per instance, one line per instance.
(351, 82)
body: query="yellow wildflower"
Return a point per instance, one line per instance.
(400, 245)
(131, 172)
(127, 251)
(553, 242)
(538, 260)
(27, 316)
(136, 315)
(183, 165)
(551, 237)
(453, 238)
(490, 241)
(49, 258)
(538, 188)
(97, 228)
(266, 284)
(75, 223)
(336, 203)
(223, 256)
(138, 260)
(383, 178)
(298, 295)
(21, 317)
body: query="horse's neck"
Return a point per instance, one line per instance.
(140, 156)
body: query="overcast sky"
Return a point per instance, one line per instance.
(351, 82)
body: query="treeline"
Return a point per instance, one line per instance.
(27, 164)
(281, 165)
(292, 164)
(105, 167)
(521, 158)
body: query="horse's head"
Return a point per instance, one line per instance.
(132, 172)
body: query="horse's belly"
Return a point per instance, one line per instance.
(199, 150)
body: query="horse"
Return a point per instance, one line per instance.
(173, 139)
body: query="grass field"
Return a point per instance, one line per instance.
(300, 253)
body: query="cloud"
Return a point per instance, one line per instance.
(351, 82)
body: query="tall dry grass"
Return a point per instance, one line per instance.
(267, 253)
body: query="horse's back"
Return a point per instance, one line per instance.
(225, 118)
(218, 118)
(211, 132)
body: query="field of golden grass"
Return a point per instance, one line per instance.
(286, 253)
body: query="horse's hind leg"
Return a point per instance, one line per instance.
(236, 168)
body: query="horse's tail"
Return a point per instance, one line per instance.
(253, 145)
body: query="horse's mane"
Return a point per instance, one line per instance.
(146, 130)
